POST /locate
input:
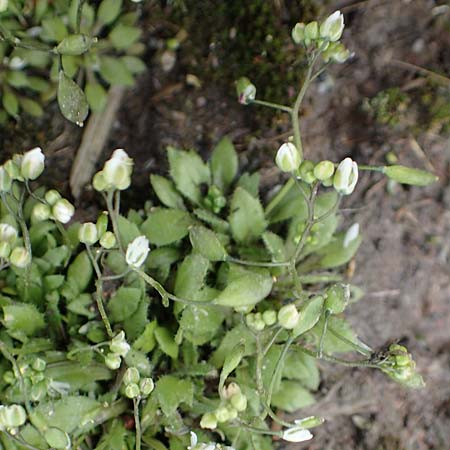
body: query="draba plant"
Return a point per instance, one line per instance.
(72, 49)
(193, 323)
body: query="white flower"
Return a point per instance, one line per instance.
(87, 233)
(288, 157)
(297, 434)
(332, 27)
(7, 233)
(346, 176)
(32, 164)
(137, 252)
(351, 235)
(20, 257)
(63, 210)
(288, 316)
(117, 170)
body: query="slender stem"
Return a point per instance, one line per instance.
(324, 332)
(114, 214)
(272, 341)
(137, 422)
(279, 196)
(366, 351)
(284, 108)
(258, 263)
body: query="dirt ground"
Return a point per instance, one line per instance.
(403, 265)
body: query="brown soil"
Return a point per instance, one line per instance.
(403, 265)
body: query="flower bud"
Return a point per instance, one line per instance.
(39, 364)
(113, 361)
(5, 249)
(306, 171)
(137, 252)
(12, 167)
(297, 434)
(57, 438)
(41, 212)
(309, 422)
(119, 345)
(5, 180)
(337, 298)
(3, 5)
(208, 421)
(288, 157)
(146, 386)
(351, 234)
(132, 390)
(117, 170)
(332, 27)
(323, 170)
(239, 401)
(87, 233)
(346, 176)
(52, 196)
(32, 164)
(7, 233)
(230, 390)
(99, 182)
(131, 376)
(102, 223)
(63, 210)
(408, 175)
(336, 52)
(20, 257)
(108, 240)
(288, 316)
(222, 414)
(255, 321)
(311, 32)
(269, 317)
(246, 91)
(298, 33)
(12, 416)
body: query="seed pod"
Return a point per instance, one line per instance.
(408, 175)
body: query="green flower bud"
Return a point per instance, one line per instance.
(12, 416)
(5, 180)
(255, 321)
(408, 175)
(332, 27)
(102, 223)
(5, 250)
(132, 390)
(336, 52)
(99, 182)
(41, 212)
(8, 233)
(108, 240)
(288, 158)
(57, 438)
(131, 376)
(117, 170)
(87, 233)
(146, 386)
(222, 414)
(113, 361)
(306, 171)
(324, 170)
(309, 422)
(311, 32)
(269, 317)
(346, 177)
(328, 182)
(337, 297)
(52, 196)
(9, 377)
(288, 316)
(63, 211)
(119, 344)
(20, 257)
(13, 169)
(32, 164)
(298, 33)
(39, 364)
(246, 91)
(208, 421)
(239, 402)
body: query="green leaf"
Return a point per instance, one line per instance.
(231, 362)
(271, 360)
(138, 359)
(71, 100)
(123, 36)
(207, 243)
(115, 72)
(146, 342)
(224, 164)
(70, 65)
(301, 367)
(80, 272)
(310, 313)
(17, 78)
(31, 107)
(124, 303)
(135, 324)
(114, 438)
(188, 171)
(246, 217)
(22, 320)
(166, 342)
(134, 64)
(246, 290)
(96, 96)
(335, 254)
(172, 391)
(74, 44)
(128, 230)
(54, 28)
(201, 323)
(191, 275)
(166, 192)
(292, 396)
(165, 226)
(250, 182)
(211, 219)
(275, 246)
(108, 11)
(10, 102)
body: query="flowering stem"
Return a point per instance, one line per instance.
(137, 422)
(258, 263)
(114, 214)
(279, 196)
(284, 108)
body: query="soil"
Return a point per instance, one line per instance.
(403, 265)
